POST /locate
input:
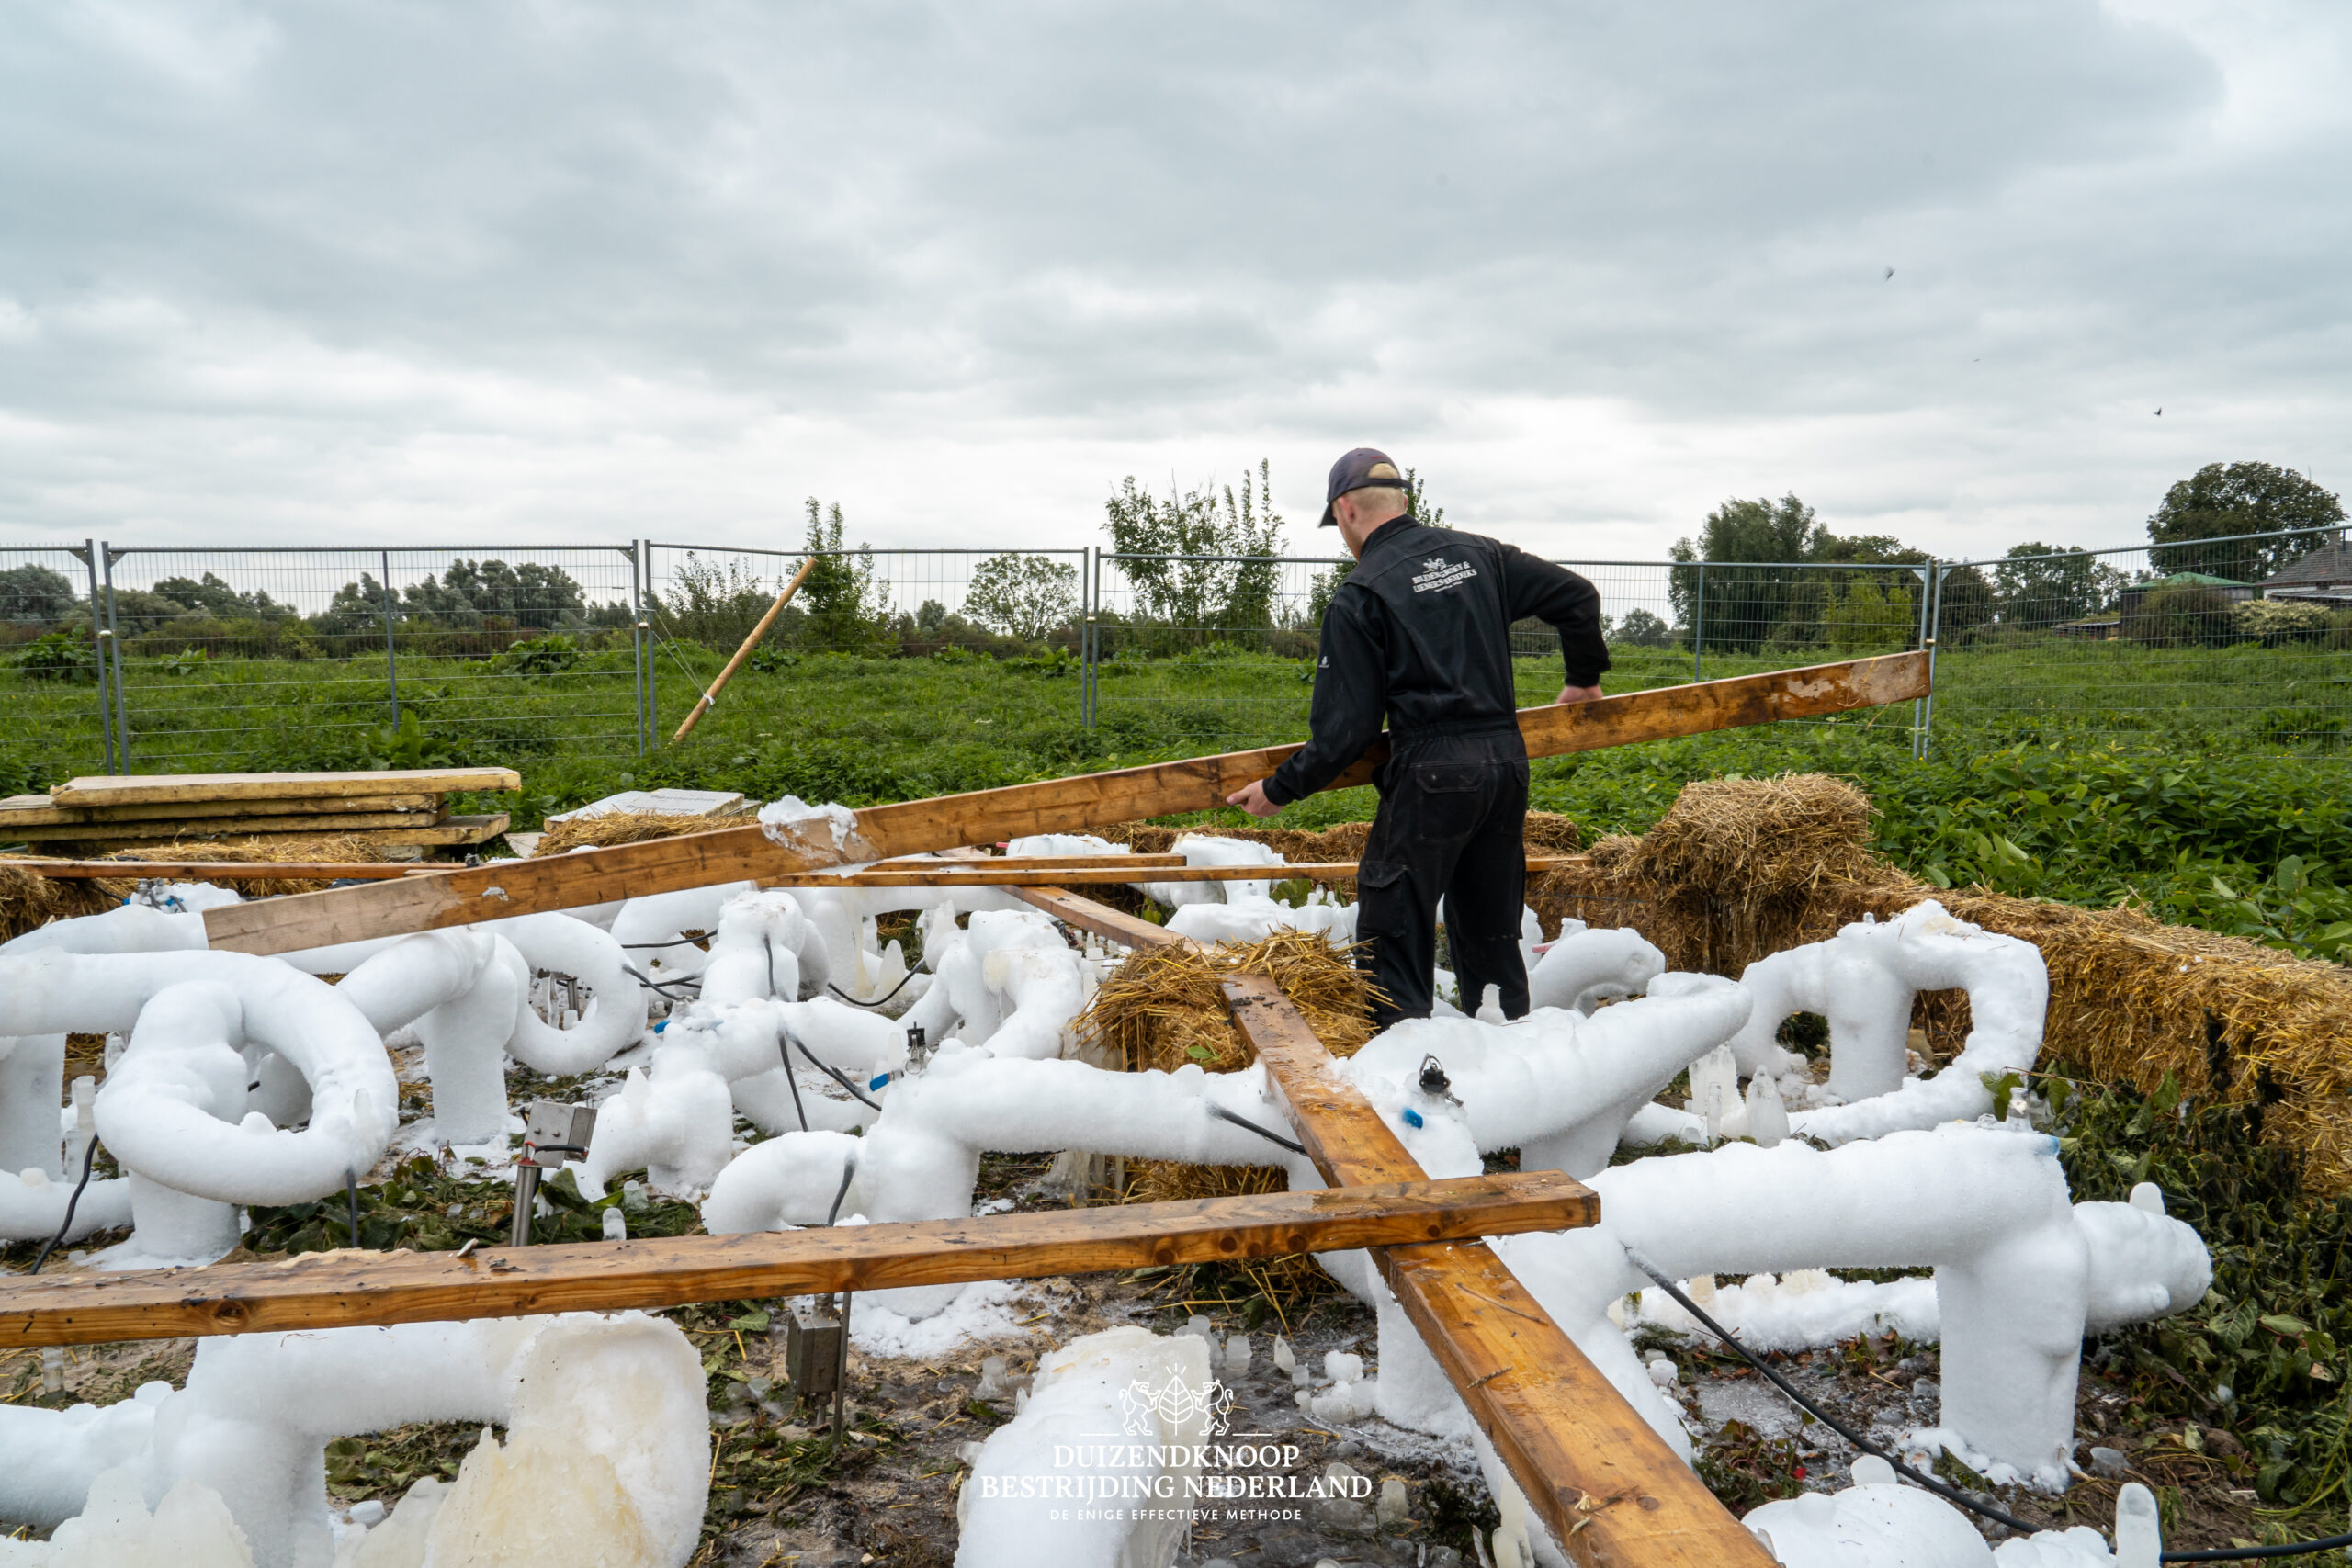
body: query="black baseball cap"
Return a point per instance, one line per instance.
(1363, 469)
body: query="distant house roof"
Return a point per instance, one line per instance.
(2329, 563)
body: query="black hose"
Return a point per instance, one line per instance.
(1951, 1493)
(89, 1159)
(884, 1002)
(682, 941)
(849, 1169)
(827, 1069)
(351, 1190)
(1222, 1115)
(800, 1109)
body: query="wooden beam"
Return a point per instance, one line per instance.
(37, 810)
(1086, 915)
(222, 871)
(344, 1288)
(1007, 863)
(1605, 1484)
(696, 860)
(702, 703)
(138, 789)
(193, 826)
(987, 874)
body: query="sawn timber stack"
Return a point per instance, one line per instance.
(916, 827)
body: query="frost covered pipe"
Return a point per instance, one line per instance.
(921, 1159)
(1200, 849)
(649, 929)
(1083, 1392)
(1863, 980)
(133, 927)
(1244, 920)
(1557, 1086)
(32, 1088)
(354, 1101)
(978, 976)
(1584, 967)
(2019, 1268)
(258, 1410)
(615, 1017)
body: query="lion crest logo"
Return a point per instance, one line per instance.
(1437, 564)
(1175, 1403)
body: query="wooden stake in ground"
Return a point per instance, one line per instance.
(1053, 806)
(702, 703)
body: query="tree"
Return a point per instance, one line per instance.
(1023, 596)
(36, 594)
(1642, 630)
(533, 594)
(848, 611)
(1181, 554)
(2204, 520)
(2037, 586)
(211, 596)
(1871, 615)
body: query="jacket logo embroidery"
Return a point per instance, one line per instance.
(1437, 573)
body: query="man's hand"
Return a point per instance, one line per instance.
(1253, 800)
(1578, 693)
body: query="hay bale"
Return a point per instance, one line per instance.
(1164, 1009)
(1728, 873)
(261, 849)
(607, 829)
(30, 900)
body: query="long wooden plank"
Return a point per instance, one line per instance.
(1133, 931)
(219, 870)
(30, 810)
(987, 874)
(1010, 863)
(343, 1289)
(132, 789)
(695, 860)
(192, 826)
(1606, 1485)
(475, 830)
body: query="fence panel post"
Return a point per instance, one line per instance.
(1934, 638)
(636, 633)
(1088, 641)
(113, 639)
(1699, 624)
(391, 649)
(101, 643)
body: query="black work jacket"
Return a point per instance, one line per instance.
(1419, 634)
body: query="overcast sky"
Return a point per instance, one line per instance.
(483, 272)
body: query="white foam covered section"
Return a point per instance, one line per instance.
(606, 1455)
(1881, 1522)
(1243, 919)
(1083, 1392)
(649, 930)
(1862, 980)
(35, 1186)
(190, 1528)
(133, 928)
(1007, 982)
(1585, 967)
(1202, 849)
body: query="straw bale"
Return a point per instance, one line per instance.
(29, 900)
(607, 829)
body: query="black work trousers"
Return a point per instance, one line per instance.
(1452, 824)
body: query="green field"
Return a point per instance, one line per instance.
(2203, 782)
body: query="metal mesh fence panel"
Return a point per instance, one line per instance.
(1024, 606)
(2238, 644)
(291, 658)
(1220, 650)
(53, 678)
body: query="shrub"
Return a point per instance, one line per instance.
(58, 657)
(2276, 622)
(539, 656)
(2180, 617)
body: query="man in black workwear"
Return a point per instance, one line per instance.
(1419, 634)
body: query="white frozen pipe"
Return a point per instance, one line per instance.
(1200, 849)
(1557, 1086)
(673, 1116)
(1043, 844)
(1081, 1408)
(1585, 967)
(621, 1399)
(650, 929)
(1863, 980)
(191, 1527)
(974, 983)
(921, 1159)
(49, 1458)
(132, 928)
(613, 1018)
(1880, 1522)
(32, 1087)
(461, 992)
(1241, 919)
(145, 1116)
(2014, 1263)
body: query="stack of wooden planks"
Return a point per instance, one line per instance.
(391, 807)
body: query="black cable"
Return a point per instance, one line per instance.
(800, 1109)
(661, 986)
(885, 1001)
(1222, 1115)
(89, 1159)
(829, 1073)
(849, 1169)
(682, 941)
(351, 1190)
(2206, 1554)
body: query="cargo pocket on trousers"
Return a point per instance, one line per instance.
(1451, 799)
(1377, 877)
